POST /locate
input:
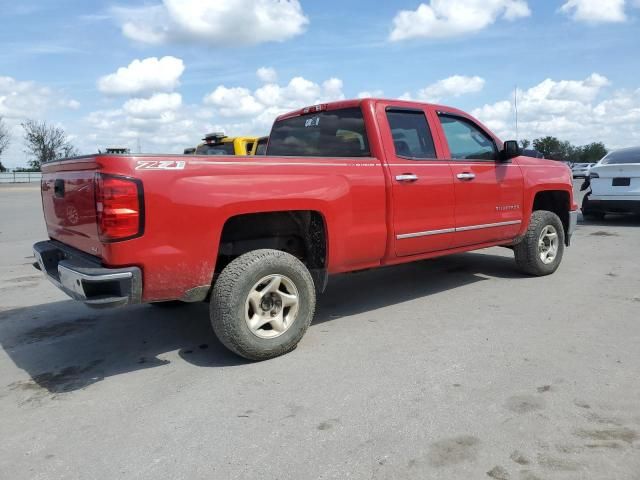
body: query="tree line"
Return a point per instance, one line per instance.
(556, 149)
(43, 143)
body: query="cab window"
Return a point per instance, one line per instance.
(334, 133)
(466, 140)
(411, 135)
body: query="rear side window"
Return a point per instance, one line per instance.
(466, 140)
(334, 133)
(411, 135)
(628, 155)
(219, 149)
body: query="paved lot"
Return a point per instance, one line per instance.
(458, 368)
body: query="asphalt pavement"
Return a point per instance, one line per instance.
(455, 368)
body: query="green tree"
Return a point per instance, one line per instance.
(593, 152)
(524, 143)
(553, 148)
(556, 149)
(45, 143)
(2, 169)
(4, 137)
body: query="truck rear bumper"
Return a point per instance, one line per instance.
(85, 279)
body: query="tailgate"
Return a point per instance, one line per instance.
(68, 201)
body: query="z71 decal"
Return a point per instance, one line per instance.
(161, 165)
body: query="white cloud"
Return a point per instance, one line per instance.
(233, 102)
(19, 99)
(371, 94)
(454, 86)
(267, 74)
(581, 111)
(451, 87)
(140, 76)
(213, 22)
(595, 11)
(22, 100)
(450, 18)
(153, 106)
(240, 102)
(163, 123)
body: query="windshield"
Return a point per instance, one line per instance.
(335, 133)
(219, 149)
(628, 155)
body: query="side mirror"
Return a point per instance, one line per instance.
(511, 149)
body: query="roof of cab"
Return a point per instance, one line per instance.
(364, 101)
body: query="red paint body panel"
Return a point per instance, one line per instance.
(363, 206)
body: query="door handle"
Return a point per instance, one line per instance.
(466, 176)
(407, 177)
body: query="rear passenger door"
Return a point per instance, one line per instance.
(488, 192)
(422, 191)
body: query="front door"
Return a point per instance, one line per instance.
(422, 191)
(488, 192)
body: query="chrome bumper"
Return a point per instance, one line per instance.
(84, 279)
(573, 224)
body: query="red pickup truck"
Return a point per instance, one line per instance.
(345, 186)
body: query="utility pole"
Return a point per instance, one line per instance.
(515, 104)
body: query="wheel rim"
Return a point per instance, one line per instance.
(548, 244)
(272, 306)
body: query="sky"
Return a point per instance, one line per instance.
(159, 74)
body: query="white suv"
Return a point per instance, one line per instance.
(615, 184)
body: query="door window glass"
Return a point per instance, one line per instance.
(467, 141)
(411, 135)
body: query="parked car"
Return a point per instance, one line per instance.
(581, 170)
(614, 184)
(345, 186)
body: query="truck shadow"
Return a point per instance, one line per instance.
(360, 292)
(65, 346)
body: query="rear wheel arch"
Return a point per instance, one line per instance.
(301, 233)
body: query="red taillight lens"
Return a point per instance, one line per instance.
(119, 207)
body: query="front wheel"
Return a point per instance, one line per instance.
(540, 251)
(262, 304)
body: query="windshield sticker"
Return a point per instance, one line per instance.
(312, 122)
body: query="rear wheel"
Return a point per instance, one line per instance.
(262, 304)
(540, 251)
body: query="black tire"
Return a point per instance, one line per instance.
(229, 301)
(587, 212)
(527, 252)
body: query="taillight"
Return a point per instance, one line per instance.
(119, 207)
